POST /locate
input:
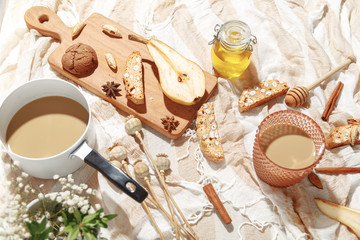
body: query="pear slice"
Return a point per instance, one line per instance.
(347, 216)
(181, 80)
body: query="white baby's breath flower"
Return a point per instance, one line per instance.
(24, 174)
(83, 186)
(102, 214)
(17, 197)
(17, 163)
(27, 235)
(60, 219)
(97, 206)
(89, 191)
(41, 185)
(62, 181)
(84, 210)
(52, 197)
(19, 179)
(7, 166)
(91, 211)
(71, 210)
(40, 196)
(51, 235)
(32, 190)
(56, 176)
(94, 192)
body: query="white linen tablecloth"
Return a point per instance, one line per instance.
(298, 42)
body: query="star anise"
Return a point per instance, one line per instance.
(111, 89)
(170, 124)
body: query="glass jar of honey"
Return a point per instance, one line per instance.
(231, 49)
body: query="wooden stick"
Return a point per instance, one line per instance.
(170, 206)
(215, 200)
(152, 192)
(332, 100)
(147, 152)
(143, 204)
(338, 170)
(349, 60)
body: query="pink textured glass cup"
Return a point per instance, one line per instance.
(267, 170)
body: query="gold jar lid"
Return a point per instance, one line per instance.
(234, 36)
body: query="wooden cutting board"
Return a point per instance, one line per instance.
(156, 106)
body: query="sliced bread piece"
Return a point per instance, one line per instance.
(133, 78)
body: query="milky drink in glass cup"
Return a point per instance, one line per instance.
(287, 146)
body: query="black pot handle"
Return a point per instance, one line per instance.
(116, 176)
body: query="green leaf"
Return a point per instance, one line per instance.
(77, 215)
(65, 218)
(31, 227)
(42, 225)
(45, 234)
(89, 218)
(38, 230)
(89, 236)
(73, 234)
(69, 227)
(110, 216)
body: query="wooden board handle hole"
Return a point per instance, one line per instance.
(43, 18)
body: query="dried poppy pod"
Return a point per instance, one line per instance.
(117, 153)
(141, 170)
(298, 95)
(132, 125)
(162, 162)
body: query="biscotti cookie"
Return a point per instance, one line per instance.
(133, 78)
(343, 135)
(261, 93)
(207, 132)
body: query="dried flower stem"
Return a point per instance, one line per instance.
(138, 135)
(144, 205)
(162, 175)
(152, 192)
(158, 205)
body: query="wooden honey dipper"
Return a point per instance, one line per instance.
(297, 96)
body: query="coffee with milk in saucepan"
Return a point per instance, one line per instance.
(46, 126)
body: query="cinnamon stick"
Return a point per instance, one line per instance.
(338, 170)
(332, 100)
(215, 200)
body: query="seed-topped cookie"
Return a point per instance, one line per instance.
(261, 93)
(133, 78)
(207, 132)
